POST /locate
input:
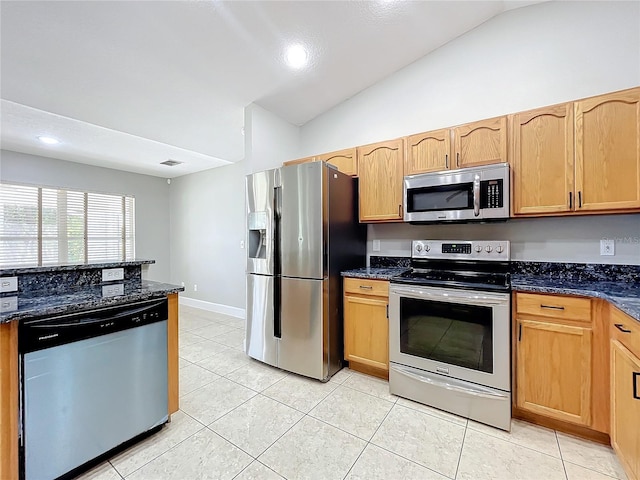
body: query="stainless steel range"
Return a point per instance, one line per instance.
(449, 329)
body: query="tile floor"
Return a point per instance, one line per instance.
(240, 419)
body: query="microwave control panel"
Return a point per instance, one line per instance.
(491, 194)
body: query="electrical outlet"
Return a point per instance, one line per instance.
(607, 246)
(182, 283)
(9, 284)
(241, 243)
(113, 290)
(376, 245)
(8, 304)
(195, 287)
(111, 274)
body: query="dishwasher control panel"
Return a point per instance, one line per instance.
(38, 334)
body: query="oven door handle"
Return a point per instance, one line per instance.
(479, 299)
(476, 392)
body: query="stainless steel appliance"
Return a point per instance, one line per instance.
(449, 329)
(90, 381)
(302, 231)
(468, 194)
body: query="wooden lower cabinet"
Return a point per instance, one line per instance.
(9, 401)
(172, 354)
(366, 327)
(554, 370)
(625, 408)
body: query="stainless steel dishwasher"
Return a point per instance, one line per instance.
(90, 381)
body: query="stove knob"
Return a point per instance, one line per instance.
(499, 249)
(418, 247)
(488, 248)
(478, 248)
(427, 248)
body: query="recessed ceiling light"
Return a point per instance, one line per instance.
(296, 56)
(48, 140)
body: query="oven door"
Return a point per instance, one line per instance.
(462, 334)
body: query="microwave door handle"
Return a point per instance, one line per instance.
(476, 195)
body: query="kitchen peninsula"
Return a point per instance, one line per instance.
(86, 294)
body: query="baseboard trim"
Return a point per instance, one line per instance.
(213, 307)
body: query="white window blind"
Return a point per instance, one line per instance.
(44, 226)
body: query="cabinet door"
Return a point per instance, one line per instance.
(366, 331)
(542, 160)
(428, 152)
(625, 408)
(554, 370)
(300, 160)
(480, 143)
(344, 160)
(380, 168)
(608, 151)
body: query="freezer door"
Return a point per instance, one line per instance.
(303, 347)
(303, 221)
(260, 222)
(260, 342)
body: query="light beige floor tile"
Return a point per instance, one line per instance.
(181, 427)
(525, 434)
(427, 440)
(104, 471)
(341, 376)
(229, 320)
(211, 331)
(432, 411)
(214, 400)
(313, 450)
(189, 338)
(183, 363)
(232, 339)
(256, 424)
(591, 455)
(201, 350)
(299, 392)
(257, 471)
(489, 458)
(256, 375)
(371, 385)
(352, 411)
(576, 472)
(192, 322)
(225, 362)
(204, 455)
(378, 464)
(193, 377)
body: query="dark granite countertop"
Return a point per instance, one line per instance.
(7, 272)
(44, 303)
(625, 296)
(374, 273)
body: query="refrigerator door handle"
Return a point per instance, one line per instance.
(277, 262)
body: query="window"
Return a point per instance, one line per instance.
(46, 226)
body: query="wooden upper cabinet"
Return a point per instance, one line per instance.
(480, 143)
(345, 160)
(542, 160)
(300, 160)
(380, 169)
(428, 152)
(608, 151)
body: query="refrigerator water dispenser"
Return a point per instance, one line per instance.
(257, 234)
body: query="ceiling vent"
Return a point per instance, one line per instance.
(171, 163)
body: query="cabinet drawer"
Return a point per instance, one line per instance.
(363, 286)
(626, 330)
(554, 306)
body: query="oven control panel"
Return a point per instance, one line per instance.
(457, 249)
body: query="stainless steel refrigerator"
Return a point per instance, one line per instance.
(303, 231)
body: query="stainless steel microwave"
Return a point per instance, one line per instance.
(468, 194)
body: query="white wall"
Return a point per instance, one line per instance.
(151, 194)
(525, 58)
(208, 216)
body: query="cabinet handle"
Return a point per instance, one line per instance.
(551, 306)
(519, 331)
(634, 378)
(400, 211)
(579, 199)
(366, 287)
(457, 159)
(620, 326)
(446, 160)
(387, 311)
(570, 200)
